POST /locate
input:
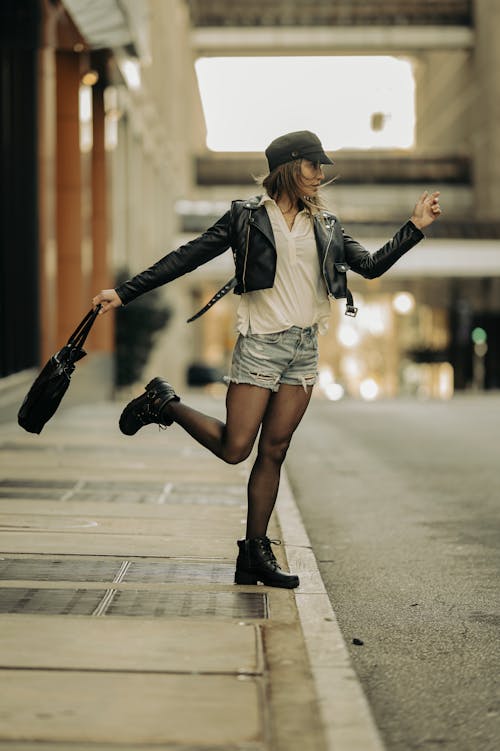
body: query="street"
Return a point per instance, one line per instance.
(401, 502)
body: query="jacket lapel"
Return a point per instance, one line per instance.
(260, 219)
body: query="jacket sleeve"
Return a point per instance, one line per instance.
(371, 265)
(186, 258)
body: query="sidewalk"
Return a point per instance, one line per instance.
(120, 625)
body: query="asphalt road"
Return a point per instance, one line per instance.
(401, 500)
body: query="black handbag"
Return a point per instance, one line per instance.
(49, 387)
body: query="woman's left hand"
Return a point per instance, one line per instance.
(427, 209)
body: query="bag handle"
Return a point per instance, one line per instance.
(79, 335)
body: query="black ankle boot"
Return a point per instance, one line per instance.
(146, 409)
(256, 562)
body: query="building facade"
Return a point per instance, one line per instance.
(95, 152)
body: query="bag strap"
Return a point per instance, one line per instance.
(79, 335)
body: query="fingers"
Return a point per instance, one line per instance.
(105, 306)
(434, 203)
(100, 300)
(431, 202)
(427, 209)
(431, 206)
(429, 197)
(107, 299)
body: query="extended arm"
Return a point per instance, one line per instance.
(186, 258)
(372, 265)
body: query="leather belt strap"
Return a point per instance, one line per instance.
(231, 284)
(350, 309)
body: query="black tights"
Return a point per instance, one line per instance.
(248, 409)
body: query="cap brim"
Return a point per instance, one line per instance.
(316, 155)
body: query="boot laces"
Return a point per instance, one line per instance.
(267, 550)
(152, 411)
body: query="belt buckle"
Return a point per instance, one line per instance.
(351, 311)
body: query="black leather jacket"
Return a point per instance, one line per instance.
(247, 230)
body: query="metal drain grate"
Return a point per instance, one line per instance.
(123, 492)
(144, 603)
(92, 448)
(35, 489)
(208, 494)
(50, 601)
(188, 604)
(149, 571)
(85, 570)
(38, 484)
(85, 490)
(58, 569)
(31, 494)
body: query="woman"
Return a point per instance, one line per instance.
(291, 256)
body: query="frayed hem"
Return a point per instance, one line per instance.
(305, 382)
(274, 387)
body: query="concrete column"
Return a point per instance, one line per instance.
(47, 202)
(102, 335)
(71, 293)
(444, 101)
(486, 130)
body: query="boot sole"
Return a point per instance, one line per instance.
(122, 421)
(245, 577)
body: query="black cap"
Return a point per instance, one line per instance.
(297, 145)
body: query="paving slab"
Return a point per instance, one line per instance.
(106, 525)
(224, 515)
(31, 641)
(59, 707)
(76, 543)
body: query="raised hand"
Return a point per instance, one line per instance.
(427, 209)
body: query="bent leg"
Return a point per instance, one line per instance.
(233, 440)
(284, 412)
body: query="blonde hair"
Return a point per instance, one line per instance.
(285, 181)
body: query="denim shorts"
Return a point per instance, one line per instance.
(268, 360)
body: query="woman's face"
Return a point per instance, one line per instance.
(311, 176)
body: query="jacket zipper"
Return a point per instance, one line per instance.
(246, 256)
(330, 294)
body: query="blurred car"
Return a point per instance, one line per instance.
(200, 374)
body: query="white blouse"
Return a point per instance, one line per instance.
(298, 297)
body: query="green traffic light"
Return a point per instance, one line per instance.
(479, 335)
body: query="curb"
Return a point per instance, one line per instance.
(347, 719)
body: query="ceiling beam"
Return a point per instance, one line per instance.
(241, 41)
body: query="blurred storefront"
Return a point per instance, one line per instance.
(399, 344)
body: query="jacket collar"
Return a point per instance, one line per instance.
(257, 201)
(259, 217)
(254, 202)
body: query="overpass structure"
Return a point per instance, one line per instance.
(452, 47)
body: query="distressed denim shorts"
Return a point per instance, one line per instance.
(268, 360)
